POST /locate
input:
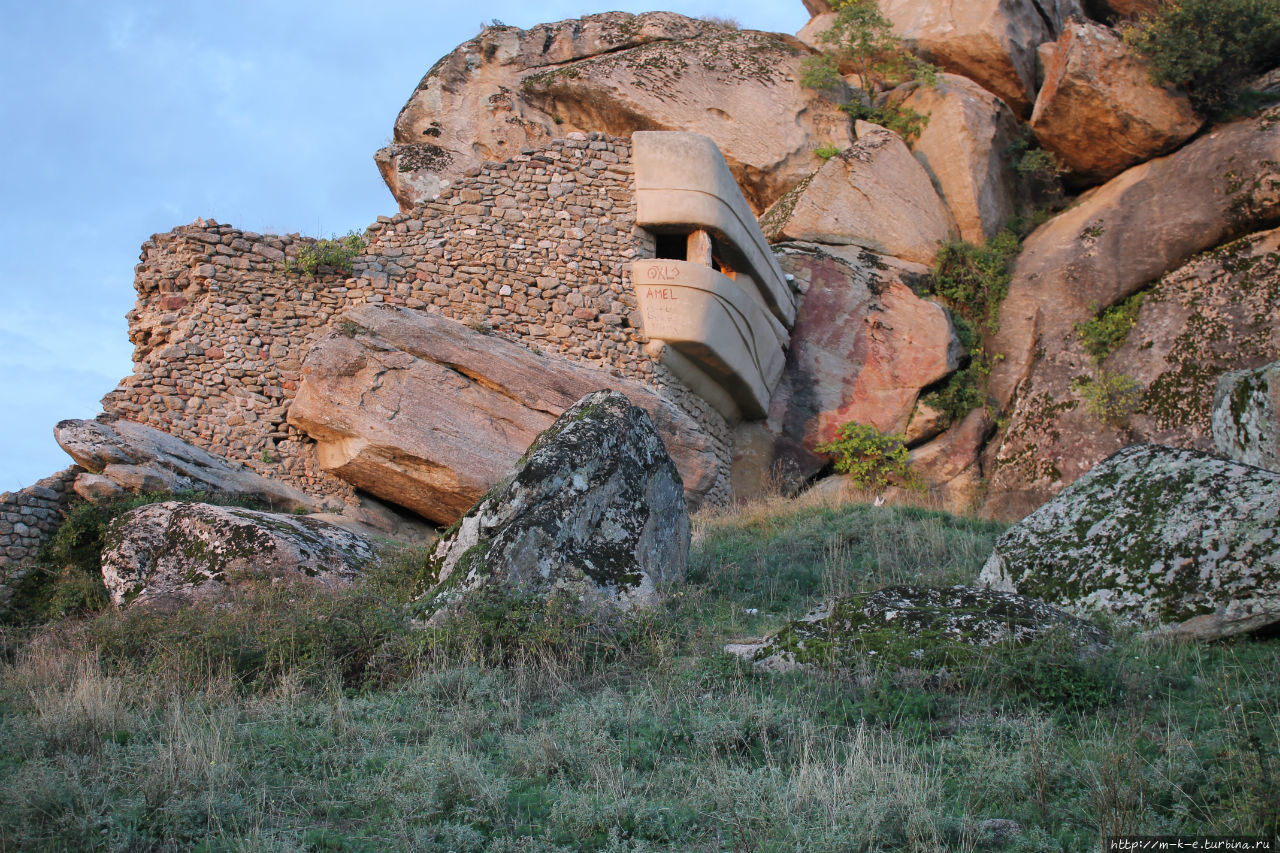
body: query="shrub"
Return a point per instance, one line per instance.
(1111, 398)
(336, 252)
(1209, 47)
(872, 459)
(826, 152)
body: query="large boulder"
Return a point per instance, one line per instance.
(1098, 109)
(965, 149)
(1224, 184)
(122, 456)
(863, 347)
(168, 554)
(916, 627)
(428, 414)
(1168, 537)
(616, 73)
(992, 42)
(1246, 416)
(1154, 383)
(874, 195)
(595, 510)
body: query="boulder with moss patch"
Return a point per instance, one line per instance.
(1167, 537)
(1246, 416)
(596, 509)
(168, 554)
(919, 627)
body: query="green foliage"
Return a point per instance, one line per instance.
(872, 459)
(1104, 334)
(961, 393)
(1111, 397)
(826, 152)
(973, 280)
(862, 39)
(336, 253)
(1209, 47)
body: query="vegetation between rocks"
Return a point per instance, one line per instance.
(871, 458)
(297, 720)
(861, 38)
(338, 253)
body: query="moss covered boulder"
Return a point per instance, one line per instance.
(919, 627)
(1157, 535)
(168, 554)
(1246, 416)
(596, 510)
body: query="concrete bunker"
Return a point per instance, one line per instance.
(715, 304)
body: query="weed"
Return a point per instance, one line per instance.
(1111, 397)
(337, 253)
(826, 152)
(1105, 333)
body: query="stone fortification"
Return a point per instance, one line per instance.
(27, 519)
(536, 249)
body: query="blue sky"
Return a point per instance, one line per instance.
(124, 119)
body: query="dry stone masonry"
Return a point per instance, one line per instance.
(27, 519)
(536, 250)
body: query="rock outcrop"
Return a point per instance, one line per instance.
(992, 42)
(595, 511)
(1246, 416)
(617, 73)
(1168, 537)
(126, 457)
(874, 195)
(1098, 109)
(1153, 383)
(429, 414)
(863, 347)
(918, 627)
(1224, 184)
(168, 554)
(965, 149)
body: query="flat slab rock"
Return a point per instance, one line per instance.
(921, 627)
(169, 554)
(1174, 538)
(595, 509)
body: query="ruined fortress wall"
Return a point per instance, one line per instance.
(536, 249)
(27, 519)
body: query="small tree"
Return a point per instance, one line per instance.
(862, 38)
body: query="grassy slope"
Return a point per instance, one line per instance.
(296, 722)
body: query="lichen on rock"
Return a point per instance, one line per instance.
(1246, 416)
(1165, 537)
(596, 509)
(173, 553)
(920, 627)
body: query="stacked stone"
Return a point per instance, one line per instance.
(536, 249)
(27, 520)
(222, 322)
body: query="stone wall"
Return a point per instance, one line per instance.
(536, 249)
(27, 520)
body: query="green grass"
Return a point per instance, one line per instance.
(308, 722)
